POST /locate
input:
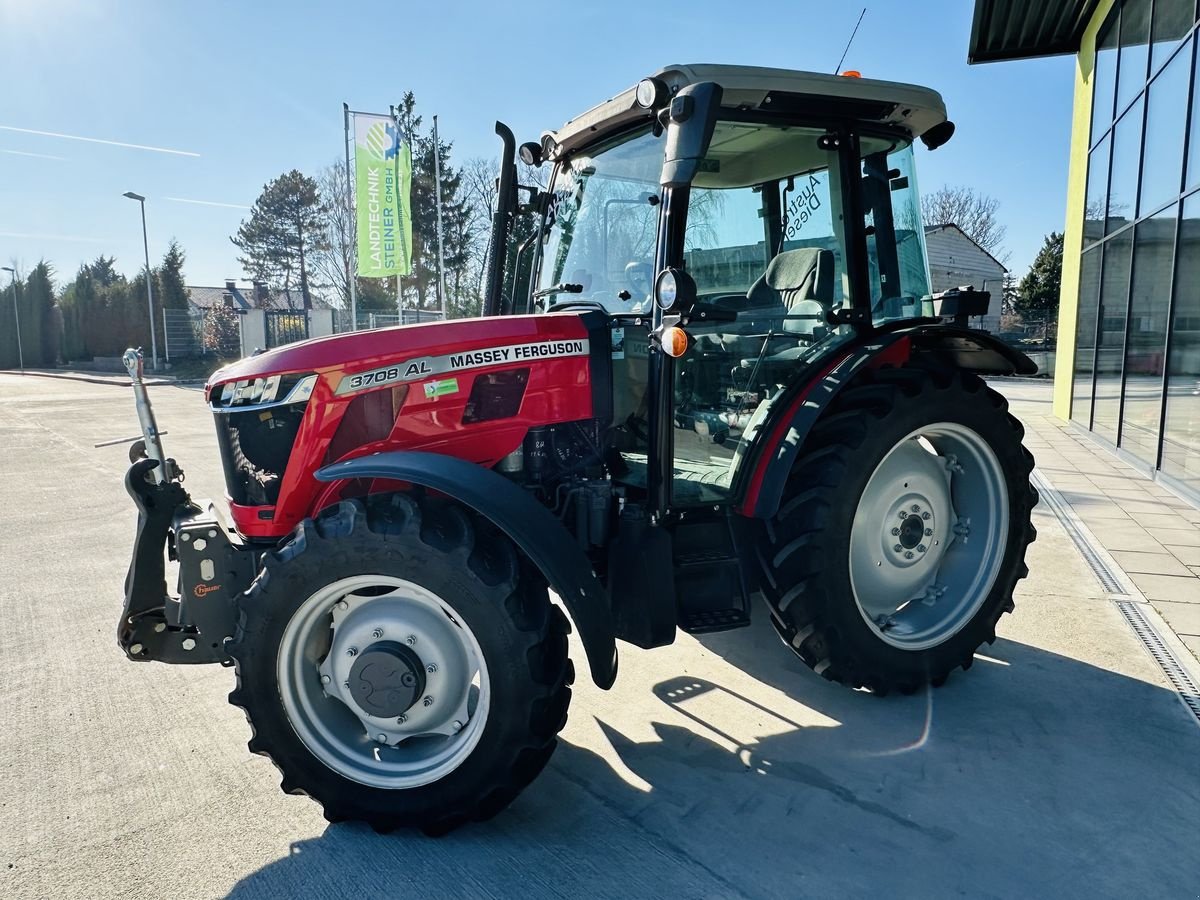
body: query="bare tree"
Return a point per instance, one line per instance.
(334, 262)
(973, 212)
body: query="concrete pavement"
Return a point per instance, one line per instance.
(1060, 765)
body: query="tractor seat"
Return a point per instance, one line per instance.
(801, 282)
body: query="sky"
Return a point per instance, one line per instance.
(244, 91)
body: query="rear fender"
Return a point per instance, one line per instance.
(974, 351)
(530, 526)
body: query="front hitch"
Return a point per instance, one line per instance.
(214, 567)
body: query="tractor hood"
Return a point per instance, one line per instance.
(415, 351)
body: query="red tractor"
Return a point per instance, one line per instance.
(709, 367)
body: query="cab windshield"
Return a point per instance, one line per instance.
(601, 227)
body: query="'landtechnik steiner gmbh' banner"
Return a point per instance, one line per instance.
(382, 188)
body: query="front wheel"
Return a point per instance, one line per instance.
(902, 532)
(400, 664)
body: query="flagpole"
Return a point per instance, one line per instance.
(437, 181)
(352, 269)
(400, 287)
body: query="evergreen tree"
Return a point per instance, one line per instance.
(285, 227)
(41, 337)
(1037, 294)
(170, 278)
(457, 244)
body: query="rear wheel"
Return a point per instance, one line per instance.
(902, 532)
(400, 664)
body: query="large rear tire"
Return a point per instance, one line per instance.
(902, 531)
(401, 664)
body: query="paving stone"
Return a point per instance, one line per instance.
(1170, 588)
(1189, 556)
(1117, 535)
(1192, 642)
(1150, 563)
(1147, 505)
(1188, 537)
(1160, 520)
(1184, 618)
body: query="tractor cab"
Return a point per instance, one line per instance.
(754, 218)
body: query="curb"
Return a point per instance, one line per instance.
(96, 378)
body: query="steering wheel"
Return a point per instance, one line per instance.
(640, 278)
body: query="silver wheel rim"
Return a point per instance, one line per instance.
(929, 536)
(431, 738)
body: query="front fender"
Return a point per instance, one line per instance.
(530, 526)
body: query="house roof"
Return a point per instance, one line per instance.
(929, 229)
(244, 298)
(1019, 29)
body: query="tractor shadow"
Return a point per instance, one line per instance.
(1037, 774)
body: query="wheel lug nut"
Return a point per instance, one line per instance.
(895, 531)
(401, 719)
(922, 548)
(897, 548)
(352, 651)
(916, 508)
(928, 532)
(411, 639)
(377, 633)
(346, 684)
(926, 516)
(908, 554)
(431, 668)
(903, 514)
(428, 701)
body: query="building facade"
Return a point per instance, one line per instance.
(1128, 362)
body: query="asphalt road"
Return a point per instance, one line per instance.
(1060, 765)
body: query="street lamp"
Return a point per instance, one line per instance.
(149, 291)
(16, 315)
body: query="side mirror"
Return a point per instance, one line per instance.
(938, 135)
(674, 290)
(691, 118)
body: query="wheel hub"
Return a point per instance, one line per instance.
(413, 675)
(387, 679)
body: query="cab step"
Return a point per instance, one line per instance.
(711, 593)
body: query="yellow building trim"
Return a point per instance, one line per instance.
(1081, 124)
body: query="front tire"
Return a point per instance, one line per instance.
(902, 531)
(401, 664)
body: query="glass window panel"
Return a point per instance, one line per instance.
(1172, 22)
(1097, 192)
(1104, 79)
(1166, 109)
(1146, 344)
(1085, 336)
(1135, 50)
(1193, 163)
(1181, 438)
(1126, 153)
(1110, 345)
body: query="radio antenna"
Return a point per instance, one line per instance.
(838, 67)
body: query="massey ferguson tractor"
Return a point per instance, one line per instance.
(709, 369)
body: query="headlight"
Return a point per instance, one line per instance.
(266, 391)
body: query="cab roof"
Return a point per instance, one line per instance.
(914, 109)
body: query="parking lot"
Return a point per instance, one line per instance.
(1060, 765)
